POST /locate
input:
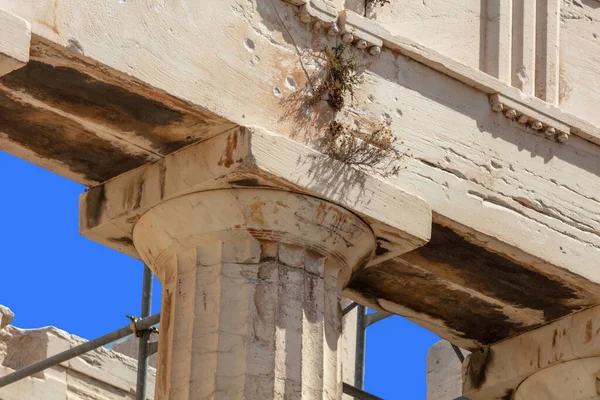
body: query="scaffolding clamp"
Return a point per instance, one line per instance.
(132, 326)
(134, 329)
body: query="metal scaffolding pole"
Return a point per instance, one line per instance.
(375, 317)
(358, 394)
(349, 308)
(361, 331)
(459, 353)
(139, 325)
(363, 321)
(140, 393)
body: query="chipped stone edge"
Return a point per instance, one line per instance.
(6, 316)
(55, 340)
(366, 34)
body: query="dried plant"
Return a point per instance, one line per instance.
(340, 77)
(373, 152)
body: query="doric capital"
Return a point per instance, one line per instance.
(253, 159)
(259, 215)
(251, 279)
(560, 360)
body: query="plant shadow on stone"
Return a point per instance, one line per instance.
(325, 92)
(311, 118)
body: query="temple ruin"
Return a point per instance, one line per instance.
(433, 159)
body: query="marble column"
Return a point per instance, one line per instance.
(574, 380)
(557, 361)
(251, 279)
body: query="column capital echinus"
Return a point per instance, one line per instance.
(251, 283)
(251, 158)
(262, 216)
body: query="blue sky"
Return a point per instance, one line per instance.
(53, 276)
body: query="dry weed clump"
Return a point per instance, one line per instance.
(374, 151)
(340, 77)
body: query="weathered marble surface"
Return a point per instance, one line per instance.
(444, 372)
(99, 375)
(115, 85)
